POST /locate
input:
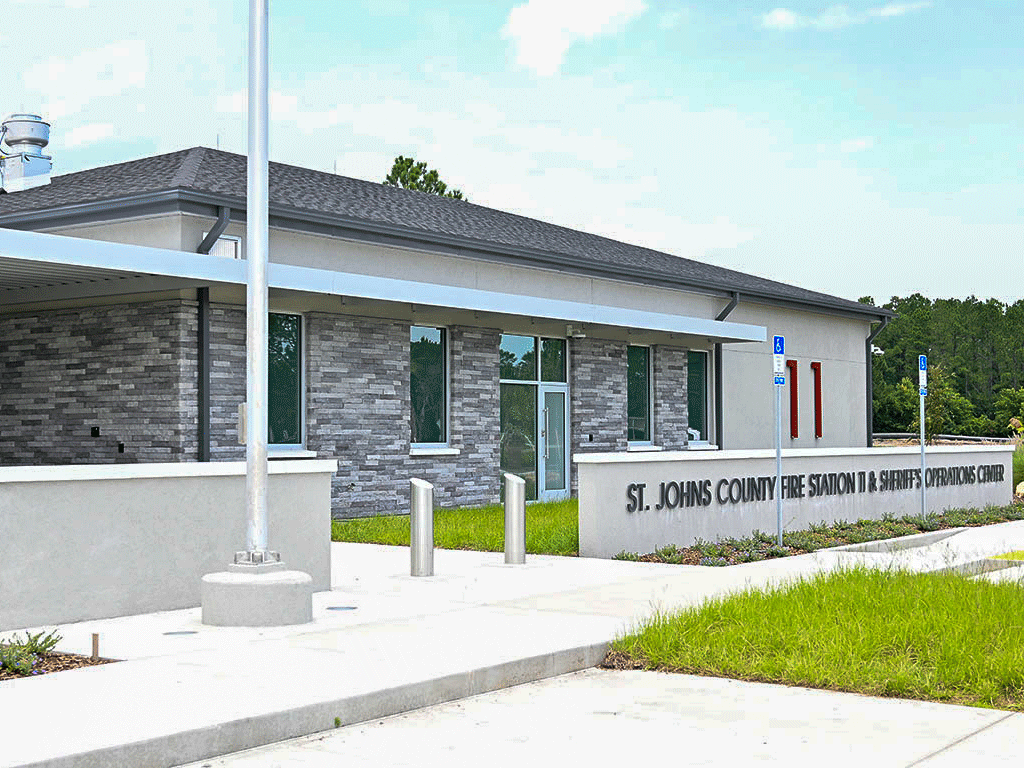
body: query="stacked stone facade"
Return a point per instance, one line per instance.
(671, 416)
(357, 410)
(597, 393)
(227, 380)
(131, 371)
(127, 370)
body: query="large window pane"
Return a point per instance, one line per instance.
(638, 394)
(427, 384)
(518, 358)
(519, 433)
(697, 392)
(552, 359)
(284, 367)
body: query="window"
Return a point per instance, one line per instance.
(697, 395)
(227, 246)
(284, 380)
(518, 358)
(638, 394)
(428, 391)
(552, 359)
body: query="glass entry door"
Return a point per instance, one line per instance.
(535, 414)
(553, 469)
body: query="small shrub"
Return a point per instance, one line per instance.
(38, 643)
(16, 659)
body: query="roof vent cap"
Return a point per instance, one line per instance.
(23, 164)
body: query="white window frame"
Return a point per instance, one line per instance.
(442, 448)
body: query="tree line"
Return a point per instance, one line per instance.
(975, 354)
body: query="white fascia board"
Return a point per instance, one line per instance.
(101, 255)
(135, 259)
(453, 297)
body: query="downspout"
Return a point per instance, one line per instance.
(719, 409)
(870, 369)
(203, 300)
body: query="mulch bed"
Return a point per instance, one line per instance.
(56, 662)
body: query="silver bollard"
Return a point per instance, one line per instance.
(421, 528)
(515, 519)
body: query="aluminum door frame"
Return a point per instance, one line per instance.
(543, 494)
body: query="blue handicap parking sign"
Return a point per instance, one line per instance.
(779, 345)
(922, 362)
(780, 380)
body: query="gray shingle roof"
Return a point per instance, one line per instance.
(353, 201)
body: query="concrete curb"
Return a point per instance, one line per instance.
(234, 736)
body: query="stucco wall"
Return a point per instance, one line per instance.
(89, 542)
(715, 494)
(749, 395)
(129, 370)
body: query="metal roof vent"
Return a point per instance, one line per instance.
(23, 164)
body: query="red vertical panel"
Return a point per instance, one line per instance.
(794, 402)
(816, 367)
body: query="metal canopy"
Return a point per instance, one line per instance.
(39, 267)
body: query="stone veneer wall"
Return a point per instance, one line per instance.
(129, 369)
(227, 380)
(597, 392)
(671, 416)
(357, 410)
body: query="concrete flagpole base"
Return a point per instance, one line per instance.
(265, 595)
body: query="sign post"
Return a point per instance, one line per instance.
(922, 382)
(779, 372)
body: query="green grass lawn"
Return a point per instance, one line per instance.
(938, 637)
(1015, 555)
(551, 529)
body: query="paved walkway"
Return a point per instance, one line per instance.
(381, 643)
(599, 718)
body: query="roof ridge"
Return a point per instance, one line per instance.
(186, 174)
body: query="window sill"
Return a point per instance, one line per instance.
(643, 448)
(441, 450)
(290, 453)
(701, 447)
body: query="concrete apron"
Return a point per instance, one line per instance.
(398, 644)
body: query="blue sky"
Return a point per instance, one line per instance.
(864, 148)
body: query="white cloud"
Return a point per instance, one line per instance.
(849, 146)
(897, 9)
(782, 18)
(542, 31)
(90, 133)
(69, 84)
(836, 16)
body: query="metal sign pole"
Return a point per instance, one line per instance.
(923, 392)
(257, 247)
(778, 459)
(779, 372)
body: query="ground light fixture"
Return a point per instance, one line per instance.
(257, 589)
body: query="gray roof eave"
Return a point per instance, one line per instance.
(360, 229)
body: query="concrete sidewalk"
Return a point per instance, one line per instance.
(603, 717)
(381, 643)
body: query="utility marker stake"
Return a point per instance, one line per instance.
(95, 646)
